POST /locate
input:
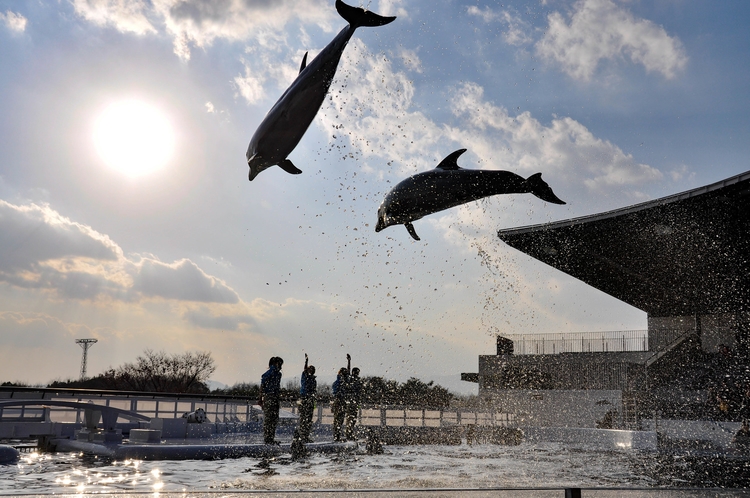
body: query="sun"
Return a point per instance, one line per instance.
(134, 138)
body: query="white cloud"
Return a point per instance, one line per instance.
(198, 23)
(258, 313)
(28, 330)
(182, 281)
(262, 65)
(411, 60)
(36, 233)
(487, 14)
(600, 30)
(250, 85)
(14, 22)
(565, 147)
(517, 32)
(374, 113)
(128, 16)
(682, 173)
(44, 250)
(209, 319)
(389, 8)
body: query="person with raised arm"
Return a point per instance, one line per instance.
(308, 389)
(338, 404)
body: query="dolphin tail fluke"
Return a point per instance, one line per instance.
(539, 188)
(412, 232)
(357, 16)
(289, 167)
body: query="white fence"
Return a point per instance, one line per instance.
(220, 410)
(580, 342)
(233, 410)
(404, 416)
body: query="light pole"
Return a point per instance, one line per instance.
(85, 344)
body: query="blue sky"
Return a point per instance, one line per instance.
(614, 102)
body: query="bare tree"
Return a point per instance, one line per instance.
(160, 372)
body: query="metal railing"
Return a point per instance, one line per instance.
(409, 416)
(230, 409)
(219, 409)
(579, 342)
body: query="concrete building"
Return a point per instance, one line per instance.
(685, 261)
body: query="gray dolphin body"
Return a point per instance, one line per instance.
(288, 120)
(449, 185)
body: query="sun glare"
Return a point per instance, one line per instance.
(134, 138)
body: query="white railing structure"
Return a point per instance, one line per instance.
(229, 410)
(406, 416)
(218, 409)
(579, 342)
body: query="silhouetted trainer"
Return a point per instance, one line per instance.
(270, 392)
(308, 388)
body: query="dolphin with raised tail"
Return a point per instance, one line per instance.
(449, 185)
(287, 121)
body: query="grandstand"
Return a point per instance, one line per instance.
(684, 260)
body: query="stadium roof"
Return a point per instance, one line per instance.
(680, 255)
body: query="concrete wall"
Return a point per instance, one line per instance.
(171, 428)
(23, 430)
(714, 330)
(557, 408)
(718, 434)
(663, 330)
(602, 439)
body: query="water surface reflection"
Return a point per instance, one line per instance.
(398, 467)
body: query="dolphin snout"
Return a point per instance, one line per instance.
(382, 223)
(255, 163)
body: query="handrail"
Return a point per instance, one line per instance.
(379, 414)
(44, 403)
(128, 394)
(579, 342)
(109, 414)
(160, 405)
(404, 415)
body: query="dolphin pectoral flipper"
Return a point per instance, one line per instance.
(541, 189)
(289, 167)
(412, 232)
(304, 63)
(357, 16)
(451, 161)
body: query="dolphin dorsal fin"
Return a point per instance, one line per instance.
(304, 63)
(450, 162)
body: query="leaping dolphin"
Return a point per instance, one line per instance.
(288, 120)
(449, 185)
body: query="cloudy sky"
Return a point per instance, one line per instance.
(162, 243)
